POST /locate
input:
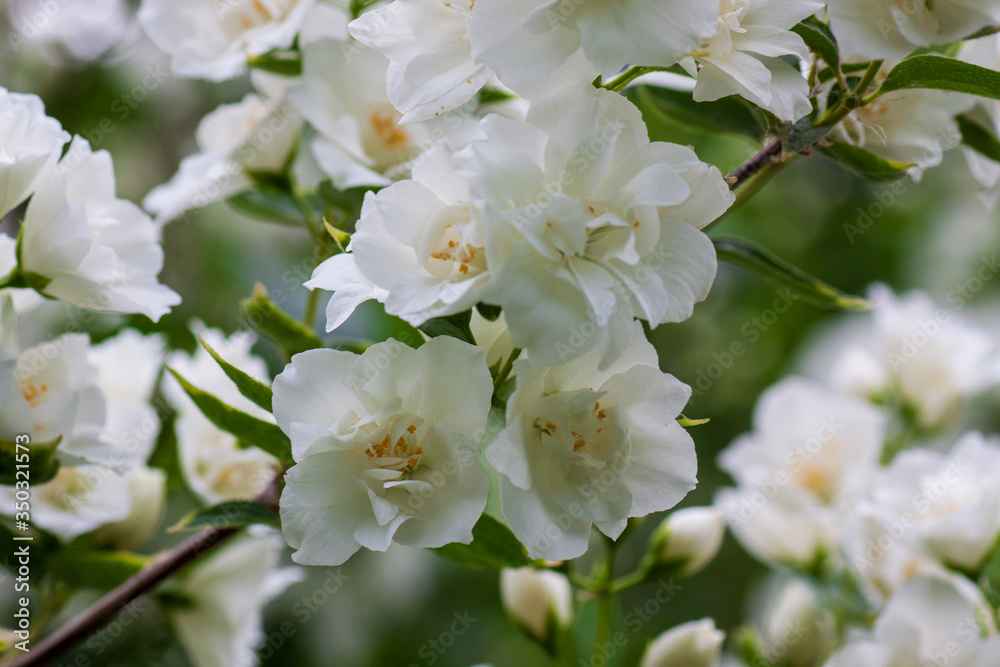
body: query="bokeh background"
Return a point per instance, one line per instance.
(101, 78)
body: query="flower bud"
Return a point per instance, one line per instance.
(694, 644)
(540, 601)
(797, 630)
(690, 538)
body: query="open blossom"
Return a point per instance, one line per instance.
(85, 246)
(29, 140)
(808, 461)
(743, 57)
(256, 133)
(927, 622)
(431, 68)
(219, 616)
(215, 467)
(211, 40)
(530, 39)
(386, 447)
(892, 29)
(912, 347)
(585, 446)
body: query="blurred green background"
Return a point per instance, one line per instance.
(398, 608)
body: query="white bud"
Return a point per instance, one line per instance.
(538, 600)
(797, 630)
(694, 644)
(147, 486)
(691, 536)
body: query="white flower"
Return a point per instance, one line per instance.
(83, 245)
(148, 487)
(690, 538)
(212, 40)
(431, 68)
(493, 336)
(892, 29)
(219, 617)
(29, 140)
(84, 28)
(584, 446)
(539, 601)
(693, 644)
(809, 459)
(984, 52)
(927, 622)
(743, 57)
(531, 38)
(385, 445)
(257, 133)
(797, 629)
(215, 467)
(933, 358)
(946, 506)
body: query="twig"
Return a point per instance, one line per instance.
(768, 155)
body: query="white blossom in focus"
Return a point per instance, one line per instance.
(584, 446)
(810, 458)
(386, 447)
(212, 40)
(29, 140)
(693, 644)
(215, 467)
(743, 57)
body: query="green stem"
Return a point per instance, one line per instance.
(605, 600)
(628, 76)
(312, 305)
(505, 370)
(855, 99)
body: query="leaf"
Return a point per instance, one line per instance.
(251, 430)
(232, 514)
(864, 163)
(688, 423)
(285, 63)
(456, 326)
(763, 263)
(252, 388)
(102, 570)
(978, 138)
(801, 135)
(818, 37)
(267, 205)
(490, 313)
(42, 461)
(730, 115)
(264, 317)
(940, 73)
(493, 546)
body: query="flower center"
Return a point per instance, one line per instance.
(455, 256)
(585, 435)
(386, 141)
(401, 454)
(731, 15)
(34, 394)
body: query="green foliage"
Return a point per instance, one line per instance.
(940, 73)
(250, 387)
(818, 37)
(267, 319)
(231, 514)
(101, 570)
(41, 457)
(456, 326)
(492, 546)
(864, 163)
(978, 138)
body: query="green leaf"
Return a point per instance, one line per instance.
(763, 263)
(102, 570)
(493, 546)
(940, 73)
(41, 458)
(801, 135)
(264, 317)
(491, 313)
(978, 138)
(257, 432)
(267, 205)
(232, 514)
(285, 63)
(252, 388)
(730, 115)
(818, 37)
(864, 163)
(456, 326)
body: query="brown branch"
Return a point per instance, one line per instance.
(159, 570)
(767, 155)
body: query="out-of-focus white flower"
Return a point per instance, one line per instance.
(811, 456)
(743, 57)
(930, 356)
(927, 622)
(385, 445)
(215, 467)
(218, 618)
(690, 538)
(539, 601)
(85, 246)
(29, 140)
(148, 487)
(493, 336)
(257, 133)
(431, 68)
(529, 39)
(85, 28)
(796, 629)
(693, 644)
(984, 52)
(212, 40)
(892, 29)
(584, 446)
